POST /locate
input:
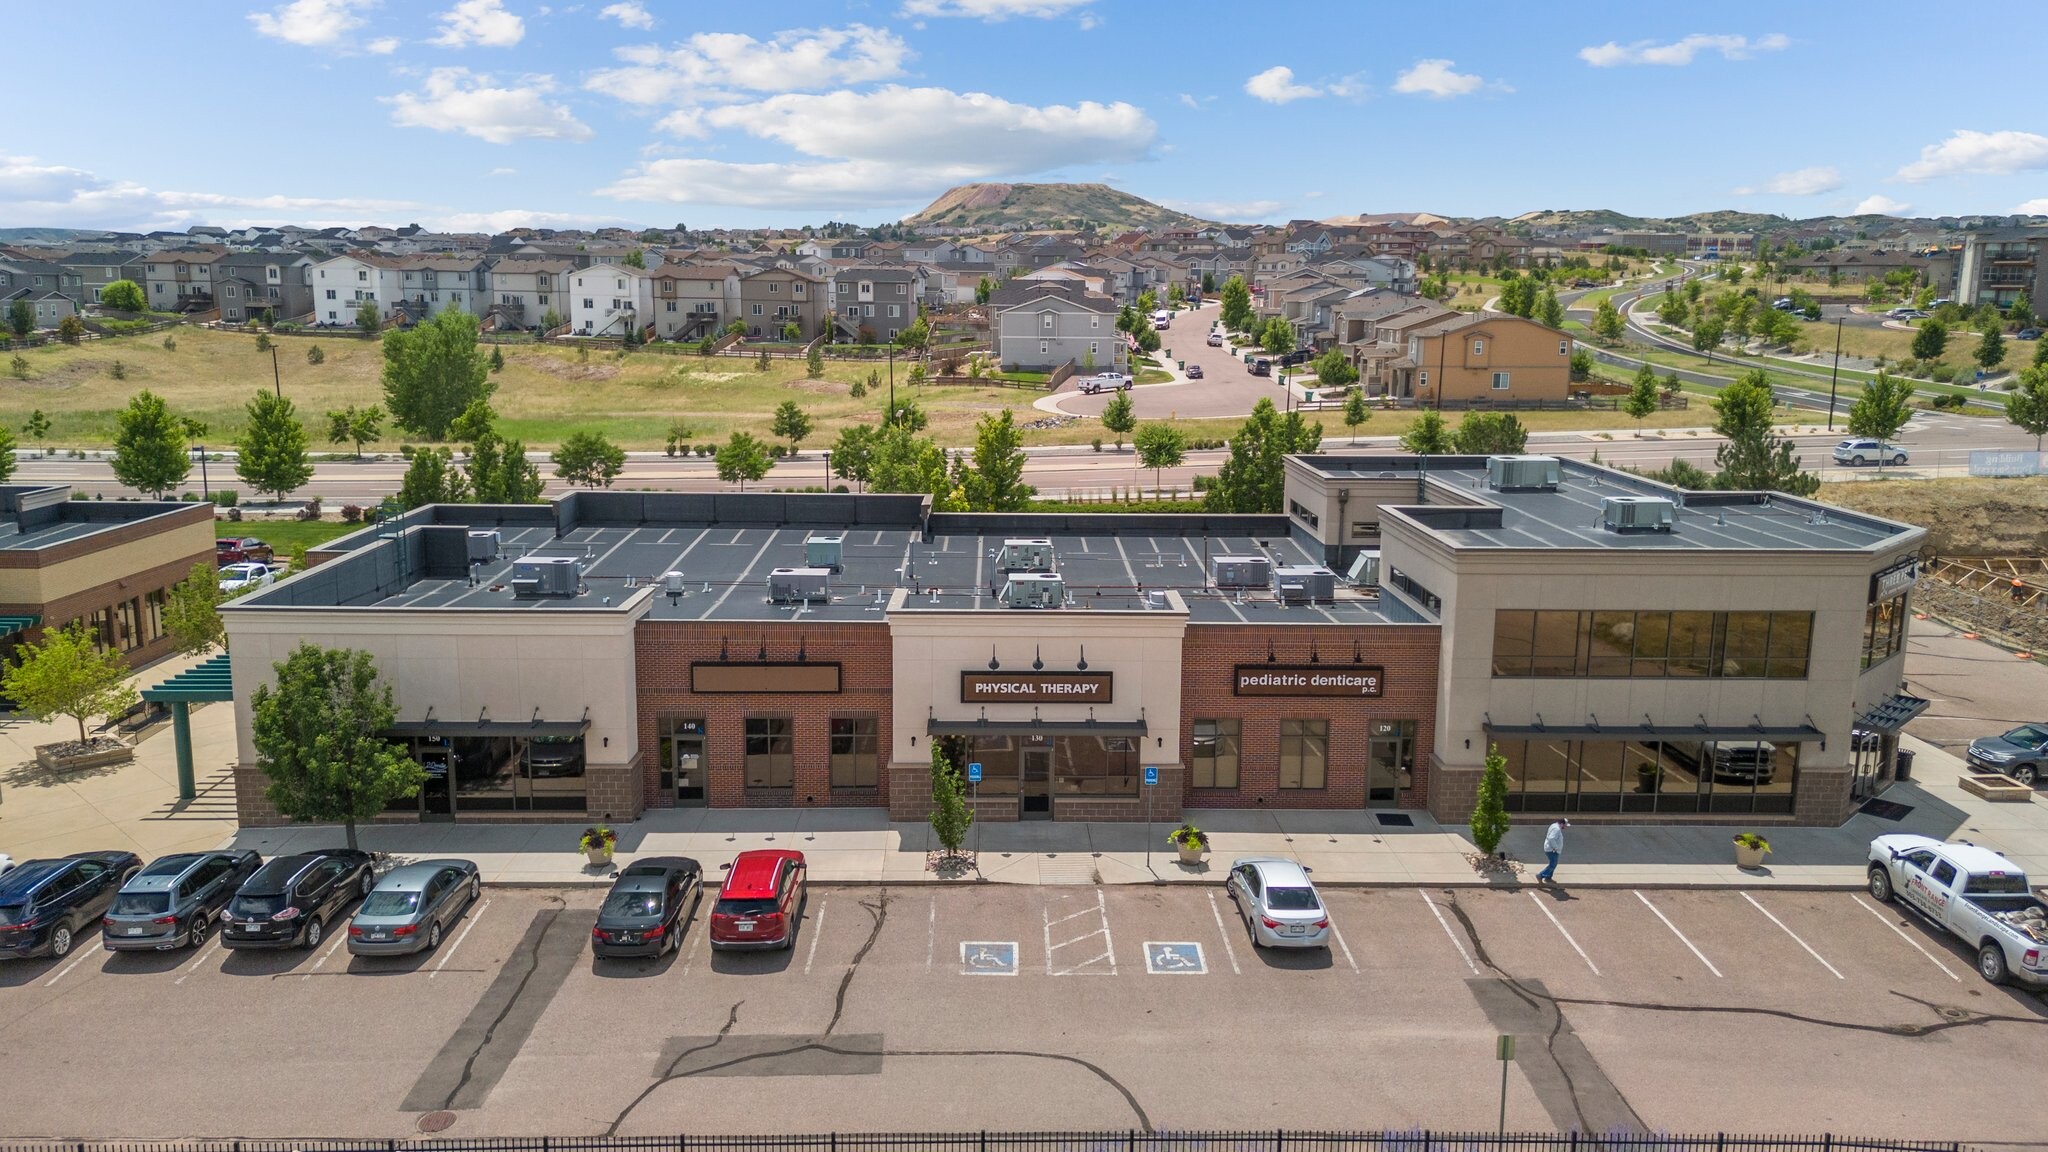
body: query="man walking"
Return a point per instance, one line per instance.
(1553, 847)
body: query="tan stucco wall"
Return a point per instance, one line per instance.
(54, 582)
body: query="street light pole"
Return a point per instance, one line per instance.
(204, 490)
(276, 378)
(1835, 376)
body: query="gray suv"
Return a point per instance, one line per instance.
(173, 902)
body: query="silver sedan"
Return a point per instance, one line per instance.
(411, 907)
(1279, 905)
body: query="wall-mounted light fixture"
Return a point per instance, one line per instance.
(993, 663)
(1081, 665)
(1037, 661)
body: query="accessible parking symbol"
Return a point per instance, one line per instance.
(1174, 958)
(988, 957)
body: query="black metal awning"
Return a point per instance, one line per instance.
(937, 727)
(1892, 714)
(1789, 733)
(455, 729)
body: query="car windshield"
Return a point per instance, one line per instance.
(1291, 899)
(258, 905)
(2027, 734)
(744, 907)
(631, 904)
(140, 904)
(389, 904)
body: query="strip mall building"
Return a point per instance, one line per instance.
(1633, 652)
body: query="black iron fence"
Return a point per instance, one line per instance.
(1126, 1141)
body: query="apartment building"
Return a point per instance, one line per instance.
(1997, 266)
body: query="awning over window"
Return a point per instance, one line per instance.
(9, 625)
(455, 729)
(1035, 727)
(1784, 733)
(1892, 714)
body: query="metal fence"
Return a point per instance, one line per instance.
(1126, 1141)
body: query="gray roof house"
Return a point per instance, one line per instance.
(1042, 324)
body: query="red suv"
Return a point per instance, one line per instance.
(239, 549)
(761, 901)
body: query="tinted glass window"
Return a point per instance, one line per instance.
(256, 905)
(2009, 884)
(140, 904)
(1944, 872)
(1292, 899)
(631, 904)
(13, 913)
(390, 904)
(2027, 734)
(743, 907)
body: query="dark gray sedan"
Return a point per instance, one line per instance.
(649, 905)
(411, 907)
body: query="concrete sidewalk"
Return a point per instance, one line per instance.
(1353, 848)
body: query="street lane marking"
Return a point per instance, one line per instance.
(1455, 942)
(988, 958)
(1681, 936)
(82, 954)
(1793, 935)
(1341, 944)
(1216, 910)
(199, 959)
(1886, 920)
(340, 938)
(817, 931)
(931, 934)
(1567, 935)
(468, 923)
(1174, 958)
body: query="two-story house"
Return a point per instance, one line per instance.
(182, 279)
(97, 269)
(524, 289)
(250, 284)
(1477, 357)
(430, 284)
(609, 299)
(343, 284)
(692, 301)
(50, 288)
(874, 304)
(773, 298)
(1042, 324)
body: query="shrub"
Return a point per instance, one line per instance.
(226, 498)
(406, 450)
(351, 513)
(1096, 443)
(1942, 373)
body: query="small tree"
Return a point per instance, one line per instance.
(1930, 341)
(1333, 370)
(192, 612)
(1356, 411)
(124, 296)
(18, 367)
(853, 454)
(432, 478)
(37, 426)
(314, 355)
(497, 359)
(994, 481)
(263, 341)
(149, 446)
(587, 458)
(1236, 304)
(66, 675)
(1490, 821)
(983, 290)
(1550, 310)
(1428, 435)
(762, 362)
(1490, 434)
(21, 318)
(1159, 446)
(2026, 406)
(792, 332)
(367, 319)
(71, 329)
(272, 452)
(1706, 333)
(1119, 416)
(1641, 400)
(1607, 321)
(1883, 409)
(1990, 349)
(741, 459)
(1581, 364)
(1278, 337)
(950, 816)
(791, 423)
(352, 425)
(316, 737)
(859, 388)
(814, 361)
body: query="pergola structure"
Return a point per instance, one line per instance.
(207, 680)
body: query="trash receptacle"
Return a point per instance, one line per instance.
(1903, 764)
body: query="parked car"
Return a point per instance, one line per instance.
(1857, 453)
(1582, 282)
(649, 905)
(1279, 905)
(235, 549)
(45, 904)
(1215, 339)
(2021, 753)
(6, 862)
(1194, 371)
(1784, 304)
(289, 902)
(412, 906)
(174, 902)
(1261, 366)
(760, 902)
(1980, 897)
(1111, 381)
(2027, 334)
(249, 574)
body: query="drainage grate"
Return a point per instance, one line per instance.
(1394, 819)
(1885, 809)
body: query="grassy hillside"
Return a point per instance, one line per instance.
(1003, 207)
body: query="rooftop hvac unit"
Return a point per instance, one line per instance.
(1241, 571)
(826, 552)
(672, 583)
(546, 576)
(1365, 569)
(1523, 473)
(1304, 584)
(789, 585)
(1034, 590)
(1637, 513)
(483, 547)
(1025, 556)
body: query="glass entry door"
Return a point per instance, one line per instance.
(1034, 785)
(683, 756)
(437, 797)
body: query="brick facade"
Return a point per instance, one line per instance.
(663, 653)
(1407, 653)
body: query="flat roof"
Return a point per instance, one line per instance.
(1570, 516)
(38, 516)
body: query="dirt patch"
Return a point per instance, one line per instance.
(1995, 616)
(1963, 517)
(571, 370)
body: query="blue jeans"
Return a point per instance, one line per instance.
(1551, 870)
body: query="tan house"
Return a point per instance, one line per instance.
(773, 297)
(1479, 357)
(692, 301)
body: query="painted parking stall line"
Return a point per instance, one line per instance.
(66, 970)
(1341, 945)
(988, 958)
(1887, 922)
(212, 946)
(1446, 926)
(340, 938)
(1082, 928)
(469, 922)
(1229, 951)
(1174, 958)
(1559, 925)
(816, 932)
(1795, 937)
(931, 934)
(1654, 911)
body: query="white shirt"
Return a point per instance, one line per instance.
(1553, 840)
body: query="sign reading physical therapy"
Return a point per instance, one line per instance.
(1306, 680)
(1035, 687)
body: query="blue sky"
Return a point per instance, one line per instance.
(493, 113)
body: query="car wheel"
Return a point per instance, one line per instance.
(2026, 774)
(314, 930)
(476, 888)
(1856, 461)
(369, 882)
(1991, 962)
(1899, 461)
(196, 936)
(60, 941)
(1880, 884)
(434, 936)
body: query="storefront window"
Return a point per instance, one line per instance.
(1095, 765)
(997, 756)
(153, 616)
(770, 753)
(128, 625)
(1304, 753)
(554, 767)
(853, 751)
(1884, 630)
(1653, 645)
(1557, 775)
(1215, 758)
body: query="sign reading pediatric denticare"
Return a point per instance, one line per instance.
(1035, 687)
(1307, 680)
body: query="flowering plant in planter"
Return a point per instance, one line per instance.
(598, 838)
(1189, 837)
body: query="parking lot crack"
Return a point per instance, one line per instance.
(878, 914)
(732, 1018)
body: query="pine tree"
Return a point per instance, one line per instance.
(1641, 400)
(1490, 820)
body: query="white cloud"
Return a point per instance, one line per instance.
(992, 10)
(1188, 101)
(480, 22)
(504, 171)
(1438, 80)
(24, 178)
(311, 23)
(53, 194)
(2035, 207)
(1880, 206)
(458, 100)
(710, 64)
(1803, 182)
(629, 15)
(1276, 86)
(857, 183)
(1981, 153)
(382, 46)
(1679, 53)
(506, 219)
(1228, 211)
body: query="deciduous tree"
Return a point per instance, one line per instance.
(742, 459)
(67, 675)
(192, 611)
(432, 478)
(1883, 409)
(367, 319)
(995, 480)
(1930, 341)
(317, 737)
(589, 459)
(1990, 349)
(1159, 446)
(353, 425)
(1641, 400)
(853, 453)
(1356, 411)
(791, 423)
(433, 372)
(1607, 321)
(149, 446)
(1236, 304)
(1428, 435)
(271, 456)
(2026, 406)
(1755, 457)
(1119, 416)
(1252, 477)
(124, 296)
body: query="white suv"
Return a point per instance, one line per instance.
(1857, 453)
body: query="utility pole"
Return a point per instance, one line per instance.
(276, 378)
(1835, 376)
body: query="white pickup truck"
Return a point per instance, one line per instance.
(1976, 894)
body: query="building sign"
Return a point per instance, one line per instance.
(1035, 687)
(712, 679)
(1307, 680)
(1895, 579)
(1993, 462)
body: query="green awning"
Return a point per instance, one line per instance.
(208, 680)
(9, 625)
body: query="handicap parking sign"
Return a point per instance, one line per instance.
(1174, 958)
(988, 957)
(974, 773)
(1151, 775)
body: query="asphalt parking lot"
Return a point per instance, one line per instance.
(913, 1008)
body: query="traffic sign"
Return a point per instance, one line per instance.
(1151, 775)
(974, 773)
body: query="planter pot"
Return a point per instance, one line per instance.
(598, 855)
(1746, 857)
(1190, 855)
(99, 759)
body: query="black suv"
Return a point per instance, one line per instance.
(290, 901)
(45, 904)
(173, 902)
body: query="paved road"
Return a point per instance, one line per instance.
(1033, 1008)
(1227, 388)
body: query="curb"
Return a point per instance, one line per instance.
(1333, 885)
